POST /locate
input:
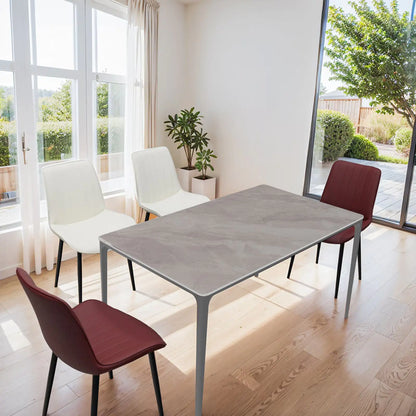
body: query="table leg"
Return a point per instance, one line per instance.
(202, 305)
(103, 265)
(357, 231)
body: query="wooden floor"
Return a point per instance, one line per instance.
(275, 347)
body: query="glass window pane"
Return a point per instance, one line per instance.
(343, 99)
(110, 41)
(110, 130)
(55, 33)
(54, 126)
(9, 210)
(5, 32)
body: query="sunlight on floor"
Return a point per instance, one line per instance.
(247, 314)
(14, 335)
(378, 232)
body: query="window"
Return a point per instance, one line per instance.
(358, 70)
(65, 68)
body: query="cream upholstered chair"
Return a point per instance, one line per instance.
(158, 190)
(76, 211)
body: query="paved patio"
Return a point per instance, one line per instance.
(390, 193)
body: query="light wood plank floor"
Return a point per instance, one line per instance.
(275, 347)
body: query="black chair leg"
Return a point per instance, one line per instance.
(133, 285)
(341, 254)
(94, 397)
(147, 216)
(156, 385)
(58, 261)
(110, 373)
(292, 260)
(79, 255)
(318, 251)
(359, 259)
(51, 375)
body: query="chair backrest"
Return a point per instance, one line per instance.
(352, 186)
(60, 327)
(155, 175)
(73, 192)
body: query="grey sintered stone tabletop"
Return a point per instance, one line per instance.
(212, 246)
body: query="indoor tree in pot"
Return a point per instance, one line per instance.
(204, 184)
(186, 130)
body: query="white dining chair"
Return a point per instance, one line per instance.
(77, 213)
(158, 190)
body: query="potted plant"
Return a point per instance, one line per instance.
(186, 130)
(204, 184)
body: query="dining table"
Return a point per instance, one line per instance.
(211, 247)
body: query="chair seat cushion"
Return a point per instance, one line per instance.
(83, 236)
(347, 234)
(177, 202)
(116, 338)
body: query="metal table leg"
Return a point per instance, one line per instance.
(103, 265)
(357, 231)
(202, 304)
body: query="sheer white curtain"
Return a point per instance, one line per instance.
(141, 86)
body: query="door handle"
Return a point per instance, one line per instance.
(24, 148)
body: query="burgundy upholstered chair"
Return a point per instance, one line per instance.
(92, 337)
(353, 187)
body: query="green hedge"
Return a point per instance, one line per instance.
(8, 155)
(55, 139)
(402, 140)
(113, 127)
(338, 131)
(362, 148)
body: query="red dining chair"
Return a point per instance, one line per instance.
(351, 186)
(92, 337)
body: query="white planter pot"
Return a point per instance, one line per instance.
(204, 187)
(185, 177)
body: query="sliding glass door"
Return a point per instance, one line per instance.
(365, 105)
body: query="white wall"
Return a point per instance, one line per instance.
(251, 69)
(172, 79)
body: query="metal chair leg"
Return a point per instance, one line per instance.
(156, 385)
(79, 256)
(147, 216)
(318, 250)
(58, 261)
(133, 285)
(359, 259)
(51, 375)
(110, 374)
(94, 397)
(292, 260)
(341, 254)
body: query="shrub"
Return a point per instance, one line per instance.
(54, 139)
(338, 131)
(110, 135)
(402, 140)
(362, 148)
(381, 128)
(8, 153)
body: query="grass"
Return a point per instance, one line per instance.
(390, 159)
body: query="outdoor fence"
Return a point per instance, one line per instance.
(351, 107)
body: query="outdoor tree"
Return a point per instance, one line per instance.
(372, 51)
(58, 106)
